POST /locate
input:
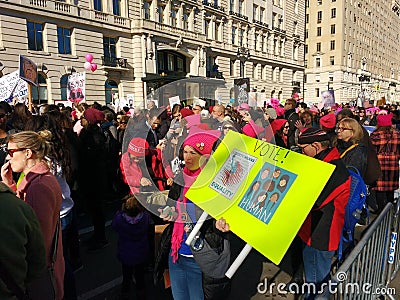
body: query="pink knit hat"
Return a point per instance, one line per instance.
(138, 147)
(328, 121)
(385, 120)
(93, 115)
(277, 124)
(201, 140)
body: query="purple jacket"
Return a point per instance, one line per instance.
(133, 242)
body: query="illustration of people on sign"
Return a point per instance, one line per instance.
(28, 70)
(271, 190)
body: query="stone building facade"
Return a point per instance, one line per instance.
(351, 47)
(140, 46)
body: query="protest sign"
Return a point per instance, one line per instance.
(76, 87)
(328, 98)
(174, 100)
(28, 70)
(11, 86)
(197, 101)
(263, 191)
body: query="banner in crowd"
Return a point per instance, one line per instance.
(76, 87)
(11, 86)
(28, 70)
(263, 191)
(328, 98)
(241, 89)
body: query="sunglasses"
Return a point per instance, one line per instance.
(287, 126)
(12, 151)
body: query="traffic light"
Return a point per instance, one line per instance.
(377, 87)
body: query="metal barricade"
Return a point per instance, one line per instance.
(394, 246)
(364, 273)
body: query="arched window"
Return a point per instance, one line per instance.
(63, 87)
(111, 89)
(39, 93)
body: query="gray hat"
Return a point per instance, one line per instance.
(271, 112)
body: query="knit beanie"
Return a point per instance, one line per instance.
(93, 115)
(202, 140)
(311, 135)
(385, 120)
(186, 112)
(138, 147)
(328, 121)
(277, 124)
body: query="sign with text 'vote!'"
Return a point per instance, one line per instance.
(262, 190)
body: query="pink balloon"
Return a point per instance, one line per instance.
(89, 57)
(88, 66)
(94, 67)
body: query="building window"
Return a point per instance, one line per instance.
(111, 88)
(317, 92)
(39, 93)
(307, 18)
(217, 34)
(332, 45)
(206, 27)
(185, 21)
(146, 10)
(333, 13)
(110, 50)
(231, 5)
(233, 35)
(241, 34)
(232, 68)
(117, 7)
(173, 18)
(63, 87)
(306, 36)
(317, 78)
(317, 62)
(305, 49)
(240, 7)
(97, 5)
(318, 47)
(160, 10)
(64, 40)
(262, 14)
(332, 60)
(319, 17)
(333, 29)
(170, 62)
(319, 31)
(35, 36)
(255, 8)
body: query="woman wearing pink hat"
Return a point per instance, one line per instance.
(280, 128)
(186, 275)
(386, 140)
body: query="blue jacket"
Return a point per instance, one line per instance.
(133, 241)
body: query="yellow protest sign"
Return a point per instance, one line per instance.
(263, 191)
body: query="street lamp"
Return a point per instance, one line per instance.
(243, 54)
(363, 78)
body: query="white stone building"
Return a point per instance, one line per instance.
(144, 44)
(351, 45)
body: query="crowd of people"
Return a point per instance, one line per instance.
(59, 160)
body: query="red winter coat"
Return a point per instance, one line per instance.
(324, 224)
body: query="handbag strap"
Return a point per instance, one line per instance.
(11, 284)
(55, 243)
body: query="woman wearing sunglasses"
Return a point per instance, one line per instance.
(280, 128)
(39, 188)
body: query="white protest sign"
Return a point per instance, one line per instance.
(197, 101)
(76, 87)
(174, 100)
(11, 85)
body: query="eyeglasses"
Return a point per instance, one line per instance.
(12, 151)
(339, 129)
(303, 147)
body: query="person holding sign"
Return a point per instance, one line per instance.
(323, 226)
(185, 273)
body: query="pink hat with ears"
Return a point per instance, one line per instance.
(384, 120)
